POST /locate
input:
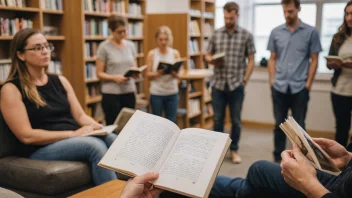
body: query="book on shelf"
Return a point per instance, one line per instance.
(188, 160)
(168, 67)
(5, 66)
(91, 49)
(14, 3)
(134, 9)
(194, 27)
(193, 46)
(118, 6)
(135, 71)
(101, 6)
(52, 4)
(96, 27)
(9, 27)
(135, 29)
(311, 150)
(91, 71)
(55, 67)
(123, 117)
(103, 131)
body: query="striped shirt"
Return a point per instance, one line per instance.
(237, 47)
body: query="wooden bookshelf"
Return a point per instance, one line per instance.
(78, 40)
(41, 18)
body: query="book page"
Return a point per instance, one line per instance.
(142, 145)
(104, 131)
(191, 164)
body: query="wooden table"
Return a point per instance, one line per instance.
(111, 189)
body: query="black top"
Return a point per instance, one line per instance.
(56, 115)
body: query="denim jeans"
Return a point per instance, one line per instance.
(169, 104)
(264, 179)
(282, 102)
(234, 99)
(89, 149)
(342, 106)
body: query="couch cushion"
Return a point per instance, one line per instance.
(8, 141)
(43, 177)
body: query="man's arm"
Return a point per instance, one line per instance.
(271, 67)
(250, 67)
(312, 70)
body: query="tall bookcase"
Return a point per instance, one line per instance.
(190, 29)
(50, 19)
(84, 39)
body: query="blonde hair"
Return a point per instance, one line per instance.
(19, 69)
(167, 31)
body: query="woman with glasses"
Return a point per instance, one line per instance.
(163, 87)
(341, 93)
(43, 111)
(114, 57)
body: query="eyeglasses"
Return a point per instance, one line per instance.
(50, 47)
(121, 32)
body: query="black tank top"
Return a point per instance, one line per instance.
(56, 115)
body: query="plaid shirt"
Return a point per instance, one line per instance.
(237, 47)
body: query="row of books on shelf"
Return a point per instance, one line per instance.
(116, 6)
(134, 9)
(96, 27)
(15, 3)
(208, 15)
(4, 70)
(101, 6)
(193, 46)
(93, 90)
(9, 27)
(193, 106)
(91, 71)
(208, 29)
(208, 109)
(55, 67)
(135, 29)
(51, 30)
(194, 28)
(138, 46)
(196, 13)
(91, 49)
(52, 4)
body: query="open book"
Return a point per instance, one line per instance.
(340, 59)
(104, 131)
(188, 160)
(219, 56)
(123, 117)
(134, 71)
(314, 153)
(169, 67)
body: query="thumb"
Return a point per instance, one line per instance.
(298, 153)
(146, 178)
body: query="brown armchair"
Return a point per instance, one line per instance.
(36, 178)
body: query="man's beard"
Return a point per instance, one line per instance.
(230, 26)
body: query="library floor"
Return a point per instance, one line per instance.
(256, 144)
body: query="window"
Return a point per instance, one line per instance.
(264, 15)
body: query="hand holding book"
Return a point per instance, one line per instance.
(336, 62)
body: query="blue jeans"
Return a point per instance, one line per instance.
(89, 149)
(282, 102)
(169, 104)
(264, 179)
(234, 99)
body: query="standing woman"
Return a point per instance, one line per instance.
(163, 88)
(341, 94)
(114, 57)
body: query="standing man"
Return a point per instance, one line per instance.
(232, 74)
(294, 48)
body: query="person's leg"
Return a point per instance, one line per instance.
(156, 102)
(342, 111)
(281, 106)
(299, 106)
(90, 149)
(219, 105)
(111, 107)
(128, 100)
(171, 107)
(235, 100)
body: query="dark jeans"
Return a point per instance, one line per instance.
(234, 99)
(168, 104)
(342, 106)
(298, 103)
(264, 179)
(113, 103)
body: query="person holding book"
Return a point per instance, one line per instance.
(140, 187)
(293, 62)
(115, 56)
(341, 93)
(231, 74)
(163, 87)
(43, 111)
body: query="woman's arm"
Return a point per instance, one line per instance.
(76, 109)
(150, 60)
(177, 56)
(15, 115)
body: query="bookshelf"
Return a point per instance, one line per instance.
(85, 40)
(191, 29)
(51, 20)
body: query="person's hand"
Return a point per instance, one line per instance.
(97, 126)
(271, 81)
(338, 154)
(308, 86)
(300, 174)
(347, 64)
(135, 76)
(83, 131)
(120, 79)
(174, 74)
(333, 64)
(139, 187)
(159, 73)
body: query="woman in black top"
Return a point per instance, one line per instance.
(43, 111)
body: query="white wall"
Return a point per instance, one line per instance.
(258, 103)
(167, 6)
